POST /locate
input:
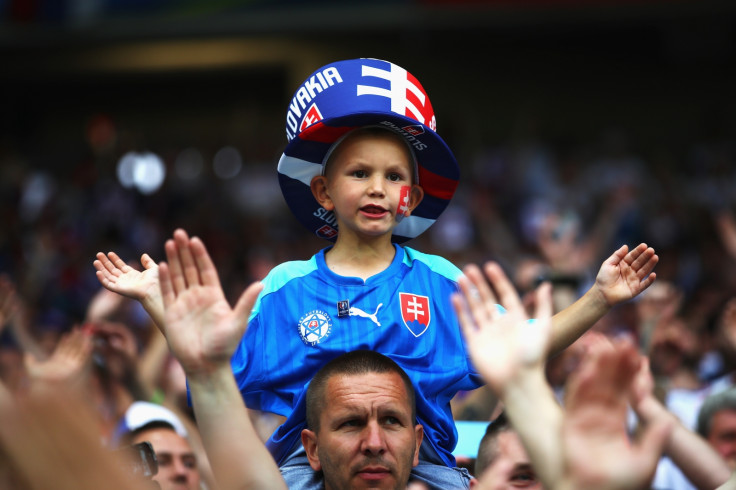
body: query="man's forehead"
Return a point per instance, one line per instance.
(376, 389)
(510, 447)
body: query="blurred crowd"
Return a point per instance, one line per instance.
(543, 210)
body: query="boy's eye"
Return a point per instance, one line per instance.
(394, 177)
(360, 174)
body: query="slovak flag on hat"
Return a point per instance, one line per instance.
(346, 95)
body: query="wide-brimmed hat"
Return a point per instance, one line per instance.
(346, 95)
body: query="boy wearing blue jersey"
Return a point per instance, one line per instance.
(365, 168)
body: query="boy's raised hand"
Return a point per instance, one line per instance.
(624, 275)
(117, 276)
(201, 328)
(501, 344)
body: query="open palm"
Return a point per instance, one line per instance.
(501, 343)
(201, 328)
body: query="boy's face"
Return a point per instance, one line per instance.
(368, 183)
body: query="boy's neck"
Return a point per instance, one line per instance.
(360, 259)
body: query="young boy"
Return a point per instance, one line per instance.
(365, 168)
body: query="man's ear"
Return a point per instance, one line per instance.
(419, 434)
(415, 197)
(309, 441)
(319, 191)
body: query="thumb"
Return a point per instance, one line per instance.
(246, 301)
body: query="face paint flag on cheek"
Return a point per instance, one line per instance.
(403, 208)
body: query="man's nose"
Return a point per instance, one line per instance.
(373, 439)
(181, 470)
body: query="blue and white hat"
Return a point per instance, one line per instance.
(346, 95)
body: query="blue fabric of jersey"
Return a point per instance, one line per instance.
(403, 312)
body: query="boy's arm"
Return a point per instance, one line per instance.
(117, 276)
(621, 277)
(203, 332)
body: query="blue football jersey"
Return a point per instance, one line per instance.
(307, 315)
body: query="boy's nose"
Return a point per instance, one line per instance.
(376, 186)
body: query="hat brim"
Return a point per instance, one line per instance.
(302, 159)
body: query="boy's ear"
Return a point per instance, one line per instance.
(319, 191)
(309, 441)
(415, 197)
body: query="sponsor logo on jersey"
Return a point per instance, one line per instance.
(315, 327)
(355, 311)
(415, 312)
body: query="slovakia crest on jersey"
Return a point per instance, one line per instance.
(314, 327)
(415, 312)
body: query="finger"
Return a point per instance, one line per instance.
(106, 265)
(639, 256)
(477, 293)
(474, 305)
(204, 264)
(507, 294)
(645, 263)
(648, 281)
(168, 293)
(617, 256)
(191, 274)
(467, 326)
(176, 274)
(488, 297)
(117, 261)
(147, 262)
(543, 303)
(246, 301)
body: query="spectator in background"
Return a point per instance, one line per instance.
(176, 460)
(717, 424)
(502, 462)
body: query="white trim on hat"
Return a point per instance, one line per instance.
(298, 169)
(142, 413)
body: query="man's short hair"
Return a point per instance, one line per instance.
(351, 364)
(725, 400)
(488, 447)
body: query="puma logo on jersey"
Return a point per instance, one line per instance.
(354, 311)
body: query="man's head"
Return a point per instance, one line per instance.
(717, 424)
(502, 462)
(361, 423)
(177, 464)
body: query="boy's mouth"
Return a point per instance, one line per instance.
(373, 210)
